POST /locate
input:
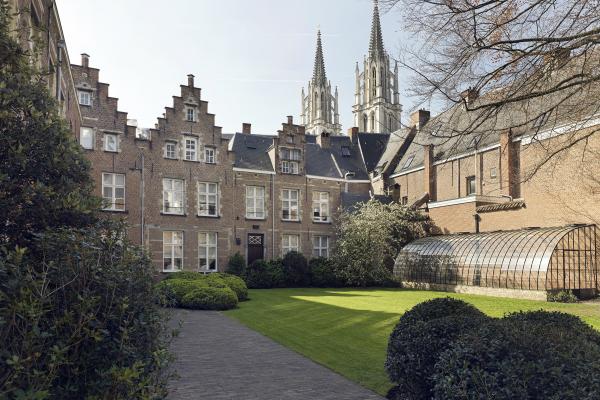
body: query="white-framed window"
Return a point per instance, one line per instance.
(191, 149)
(321, 207)
(208, 199)
(291, 154)
(289, 204)
(209, 155)
(255, 202)
(321, 246)
(190, 114)
(493, 173)
(113, 191)
(173, 196)
(170, 150)
(471, 185)
(290, 243)
(289, 167)
(86, 138)
(85, 97)
(207, 251)
(172, 251)
(111, 142)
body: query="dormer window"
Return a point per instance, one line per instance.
(291, 154)
(409, 161)
(289, 167)
(85, 97)
(190, 114)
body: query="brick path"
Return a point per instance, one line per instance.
(219, 358)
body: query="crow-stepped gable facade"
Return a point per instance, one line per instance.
(377, 107)
(319, 112)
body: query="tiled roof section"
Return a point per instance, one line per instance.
(319, 162)
(251, 151)
(510, 205)
(350, 201)
(372, 146)
(446, 131)
(348, 163)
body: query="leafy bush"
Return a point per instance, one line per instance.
(563, 296)
(236, 284)
(419, 338)
(275, 271)
(518, 359)
(187, 275)
(178, 284)
(236, 265)
(79, 319)
(210, 298)
(173, 290)
(322, 273)
(370, 236)
(295, 270)
(258, 275)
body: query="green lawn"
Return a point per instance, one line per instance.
(347, 329)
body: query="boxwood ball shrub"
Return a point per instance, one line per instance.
(517, 359)
(236, 284)
(210, 298)
(437, 308)
(173, 290)
(295, 269)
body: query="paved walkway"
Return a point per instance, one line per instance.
(219, 358)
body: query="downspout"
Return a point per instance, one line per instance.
(273, 217)
(142, 217)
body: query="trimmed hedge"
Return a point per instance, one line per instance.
(419, 338)
(518, 359)
(215, 279)
(210, 298)
(295, 269)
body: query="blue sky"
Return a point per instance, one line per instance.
(250, 57)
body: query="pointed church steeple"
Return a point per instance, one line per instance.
(319, 76)
(376, 43)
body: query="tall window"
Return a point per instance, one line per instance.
(111, 142)
(170, 150)
(86, 138)
(290, 243)
(85, 98)
(470, 185)
(113, 191)
(191, 149)
(289, 206)
(172, 251)
(209, 155)
(255, 202)
(290, 154)
(191, 114)
(207, 251)
(173, 196)
(320, 206)
(208, 199)
(321, 246)
(289, 167)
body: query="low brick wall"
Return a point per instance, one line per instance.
(479, 290)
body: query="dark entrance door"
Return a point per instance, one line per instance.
(256, 249)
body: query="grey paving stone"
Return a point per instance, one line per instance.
(219, 358)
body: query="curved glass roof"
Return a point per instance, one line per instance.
(522, 250)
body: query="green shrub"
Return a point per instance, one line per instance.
(275, 271)
(236, 265)
(258, 276)
(236, 284)
(295, 270)
(563, 296)
(416, 344)
(437, 308)
(518, 359)
(210, 298)
(173, 290)
(187, 275)
(322, 273)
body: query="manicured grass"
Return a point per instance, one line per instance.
(347, 329)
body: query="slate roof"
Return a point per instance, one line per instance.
(372, 146)
(251, 151)
(396, 143)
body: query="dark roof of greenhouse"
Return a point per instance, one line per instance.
(527, 249)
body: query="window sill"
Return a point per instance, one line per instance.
(108, 210)
(111, 151)
(296, 221)
(170, 158)
(208, 216)
(192, 161)
(255, 219)
(172, 214)
(171, 271)
(322, 222)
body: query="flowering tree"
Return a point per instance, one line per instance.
(369, 238)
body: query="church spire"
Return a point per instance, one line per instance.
(319, 77)
(376, 42)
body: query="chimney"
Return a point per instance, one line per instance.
(290, 119)
(396, 193)
(246, 128)
(353, 133)
(85, 60)
(323, 140)
(470, 95)
(190, 80)
(419, 118)
(429, 171)
(507, 165)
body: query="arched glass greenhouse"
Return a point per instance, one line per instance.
(543, 259)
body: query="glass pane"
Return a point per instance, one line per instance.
(107, 179)
(120, 180)
(213, 239)
(120, 192)
(202, 239)
(107, 193)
